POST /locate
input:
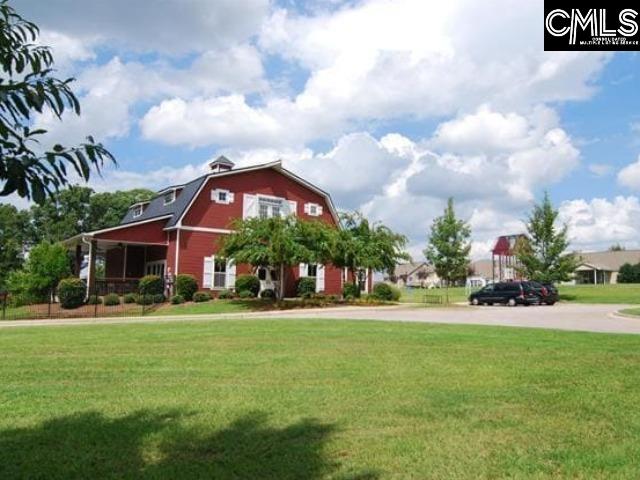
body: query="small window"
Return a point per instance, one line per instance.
(312, 270)
(169, 197)
(269, 207)
(137, 211)
(224, 197)
(313, 209)
(262, 274)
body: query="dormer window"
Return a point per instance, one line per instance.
(224, 197)
(137, 210)
(169, 197)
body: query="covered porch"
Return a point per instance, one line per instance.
(111, 266)
(592, 274)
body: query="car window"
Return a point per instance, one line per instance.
(487, 289)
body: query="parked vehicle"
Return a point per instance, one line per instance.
(546, 291)
(506, 293)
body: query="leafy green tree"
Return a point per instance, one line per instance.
(13, 225)
(78, 209)
(449, 246)
(362, 245)
(629, 273)
(46, 265)
(29, 88)
(617, 247)
(269, 242)
(542, 255)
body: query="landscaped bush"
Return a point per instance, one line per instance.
(248, 283)
(200, 297)
(306, 287)
(159, 298)
(186, 286)
(386, 292)
(130, 298)
(144, 300)
(111, 299)
(94, 300)
(71, 292)
(150, 285)
(350, 290)
(268, 293)
(226, 294)
(246, 294)
(629, 273)
(177, 299)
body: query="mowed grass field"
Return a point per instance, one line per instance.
(615, 294)
(317, 399)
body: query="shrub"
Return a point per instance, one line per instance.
(150, 285)
(158, 298)
(111, 299)
(350, 290)
(130, 298)
(306, 287)
(200, 297)
(144, 299)
(248, 283)
(246, 294)
(386, 292)
(94, 300)
(268, 293)
(225, 294)
(177, 299)
(71, 292)
(186, 286)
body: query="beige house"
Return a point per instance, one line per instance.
(603, 267)
(415, 275)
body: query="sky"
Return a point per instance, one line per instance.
(390, 105)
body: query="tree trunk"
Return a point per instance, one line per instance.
(281, 289)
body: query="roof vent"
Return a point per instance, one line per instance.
(221, 164)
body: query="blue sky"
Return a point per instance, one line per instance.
(392, 106)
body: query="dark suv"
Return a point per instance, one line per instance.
(546, 291)
(506, 293)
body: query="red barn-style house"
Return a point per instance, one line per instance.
(178, 231)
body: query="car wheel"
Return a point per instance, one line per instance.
(475, 302)
(512, 302)
(490, 304)
(550, 303)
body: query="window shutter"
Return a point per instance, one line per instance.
(303, 270)
(307, 207)
(320, 278)
(293, 206)
(319, 210)
(231, 274)
(249, 206)
(207, 273)
(230, 197)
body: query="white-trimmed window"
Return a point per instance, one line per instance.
(137, 210)
(267, 206)
(169, 197)
(313, 270)
(218, 273)
(219, 195)
(313, 209)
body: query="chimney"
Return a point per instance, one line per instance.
(221, 164)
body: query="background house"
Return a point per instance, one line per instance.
(603, 267)
(414, 275)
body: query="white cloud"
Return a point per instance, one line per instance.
(597, 223)
(629, 176)
(168, 26)
(600, 169)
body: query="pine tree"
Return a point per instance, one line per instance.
(542, 255)
(449, 246)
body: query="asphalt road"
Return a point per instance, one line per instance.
(577, 317)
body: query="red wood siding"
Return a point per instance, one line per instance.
(206, 213)
(152, 232)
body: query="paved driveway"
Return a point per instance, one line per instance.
(591, 318)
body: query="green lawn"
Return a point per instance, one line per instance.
(619, 293)
(416, 295)
(317, 399)
(212, 307)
